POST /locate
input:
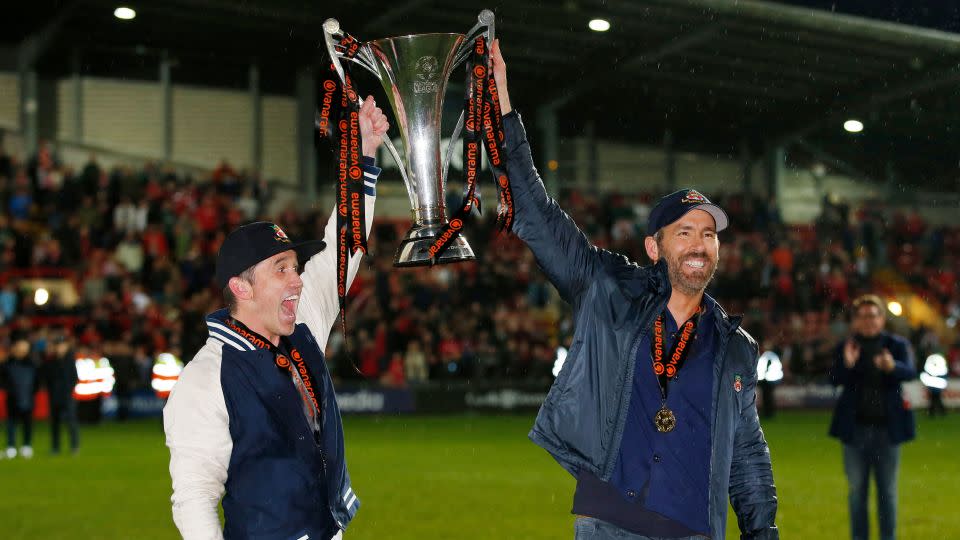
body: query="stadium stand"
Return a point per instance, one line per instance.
(138, 245)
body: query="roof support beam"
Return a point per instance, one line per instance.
(825, 21)
(36, 44)
(832, 160)
(589, 82)
(870, 100)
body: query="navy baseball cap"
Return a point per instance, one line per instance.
(677, 204)
(255, 242)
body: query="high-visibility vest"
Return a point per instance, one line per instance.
(95, 378)
(166, 371)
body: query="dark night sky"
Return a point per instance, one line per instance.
(938, 14)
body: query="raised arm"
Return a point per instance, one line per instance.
(563, 252)
(319, 302)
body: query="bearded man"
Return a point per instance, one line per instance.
(654, 412)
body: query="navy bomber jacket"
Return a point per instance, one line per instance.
(582, 420)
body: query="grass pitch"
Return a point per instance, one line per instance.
(458, 477)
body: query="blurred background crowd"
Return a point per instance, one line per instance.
(137, 245)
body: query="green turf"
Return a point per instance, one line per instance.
(469, 477)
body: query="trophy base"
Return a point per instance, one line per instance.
(414, 249)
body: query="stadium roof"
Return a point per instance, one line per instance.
(715, 73)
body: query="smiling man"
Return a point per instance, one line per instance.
(654, 411)
(253, 418)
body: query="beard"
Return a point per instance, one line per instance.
(697, 280)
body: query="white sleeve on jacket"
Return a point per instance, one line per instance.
(196, 423)
(319, 303)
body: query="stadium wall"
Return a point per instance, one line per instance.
(630, 168)
(125, 118)
(489, 397)
(9, 101)
(122, 121)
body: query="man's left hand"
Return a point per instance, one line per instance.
(373, 125)
(884, 361)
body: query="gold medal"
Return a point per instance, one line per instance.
(665, 420)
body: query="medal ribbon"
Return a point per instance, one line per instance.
(483, 126)
(667, 370)
(339, 121)
(298, 369)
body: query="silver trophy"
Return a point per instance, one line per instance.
(413, 71)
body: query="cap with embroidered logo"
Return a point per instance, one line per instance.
(675, 205)
(255, 242)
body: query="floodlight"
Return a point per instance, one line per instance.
(124, 13)
(599, 25)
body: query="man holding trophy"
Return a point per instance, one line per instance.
(253, 418)
(654, 453)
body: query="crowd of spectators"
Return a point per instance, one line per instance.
(139, 246)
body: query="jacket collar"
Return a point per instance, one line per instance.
(726, 324)
(220, 331)
(641, 281)
(655, 279)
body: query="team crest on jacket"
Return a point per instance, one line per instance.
(279, 235)
(693, 196)
(737, 384)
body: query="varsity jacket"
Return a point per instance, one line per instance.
(236, 428)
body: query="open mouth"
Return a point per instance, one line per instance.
(288, 307)
(697, 264)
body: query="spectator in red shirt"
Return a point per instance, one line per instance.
(155, 243)
(207, 216)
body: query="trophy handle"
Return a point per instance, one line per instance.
(331, 29)
(485, 25)
(364, 57)
(453, 143)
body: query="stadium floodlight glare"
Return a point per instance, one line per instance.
(895, 307)
(599, 25)
(124, 13)
(41, 296)
(853, 126)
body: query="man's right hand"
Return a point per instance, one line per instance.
(851, 353)
(500, 76)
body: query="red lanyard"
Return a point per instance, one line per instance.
(665, 371)
(298, 369)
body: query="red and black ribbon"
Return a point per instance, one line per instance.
(483, 127)
(298, 368)
(340, 122)
(667, 370)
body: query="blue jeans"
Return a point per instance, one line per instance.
(871, 449)
(588, 528)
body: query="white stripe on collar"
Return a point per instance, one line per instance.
(224, 330)
(224, 341)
